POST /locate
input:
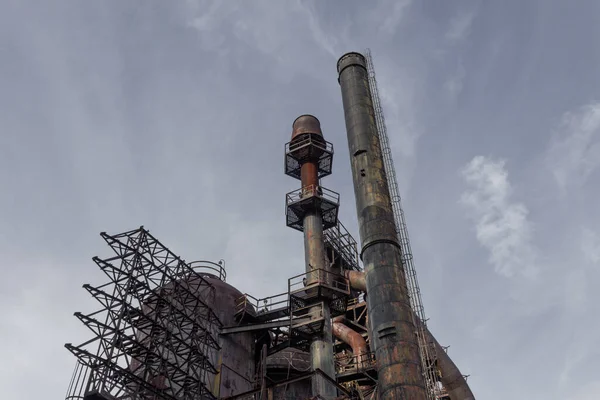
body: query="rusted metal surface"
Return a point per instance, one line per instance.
(306, 124)
(236, 359)
(451, 377)
(454, 382)
(321, 346)
(351, 338)
(290, 358)
(308, 173)
(284, 389)
(357, 280)
(390, 315)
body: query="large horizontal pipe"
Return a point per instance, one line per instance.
(454, 382)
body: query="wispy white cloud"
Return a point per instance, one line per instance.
(327, 42)
(590, 245)
(460, 26)
(454, 84)
(574, 152)
(389, 14)
(282, 32)
(502, 226)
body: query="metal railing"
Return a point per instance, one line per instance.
(310, 140)
(355, 363)
(262, 305)
(210, 268)
(79, 382)
(310, 191)
(357, 300)
(440, 391)
(318, 277)
(342, 241)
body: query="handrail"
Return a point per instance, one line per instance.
(355, 363)
(322, 144)
(322, 276)
(264, 304)
(214, 269)
(342, 241)
(312, 190)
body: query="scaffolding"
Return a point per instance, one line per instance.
(427, 355)
(155, 335)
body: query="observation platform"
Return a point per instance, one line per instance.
(307, 199)
(319, 285)
(308, 147)
(297, 315)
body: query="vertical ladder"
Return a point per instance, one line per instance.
(427, 354)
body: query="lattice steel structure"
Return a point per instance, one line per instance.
(154, 336)
(427, 353)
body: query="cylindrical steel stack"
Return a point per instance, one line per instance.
(307, 129)
(390, 315)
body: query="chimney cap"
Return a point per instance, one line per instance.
(351, 58)
(306, 124)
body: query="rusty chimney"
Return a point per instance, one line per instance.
(393, 333)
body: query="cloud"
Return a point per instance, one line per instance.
(389, 14)
(590, 245)
(586, 392)
(502, 226)
(574, 152)
(327, 42)
(280, 33)
(454, 84)
(460, 26)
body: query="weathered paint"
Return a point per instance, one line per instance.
(357, 280)
(306, 124)
(393, 334)
(350, 337)
(321, 346)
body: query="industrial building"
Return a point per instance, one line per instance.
(350, 326)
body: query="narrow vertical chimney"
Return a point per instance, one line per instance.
(393, 333)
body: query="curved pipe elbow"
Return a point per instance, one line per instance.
(351, 338)
(357, 280)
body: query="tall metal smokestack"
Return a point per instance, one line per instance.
(308, 158)
(393, 333)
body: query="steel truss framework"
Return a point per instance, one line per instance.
(154, 333)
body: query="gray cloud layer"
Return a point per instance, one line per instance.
(174, 114)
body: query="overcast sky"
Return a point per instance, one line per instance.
(174, 115)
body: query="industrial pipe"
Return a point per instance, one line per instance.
(452, 379)
(357, 280)
(351, 338)
(321, 345)
(390, 314)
